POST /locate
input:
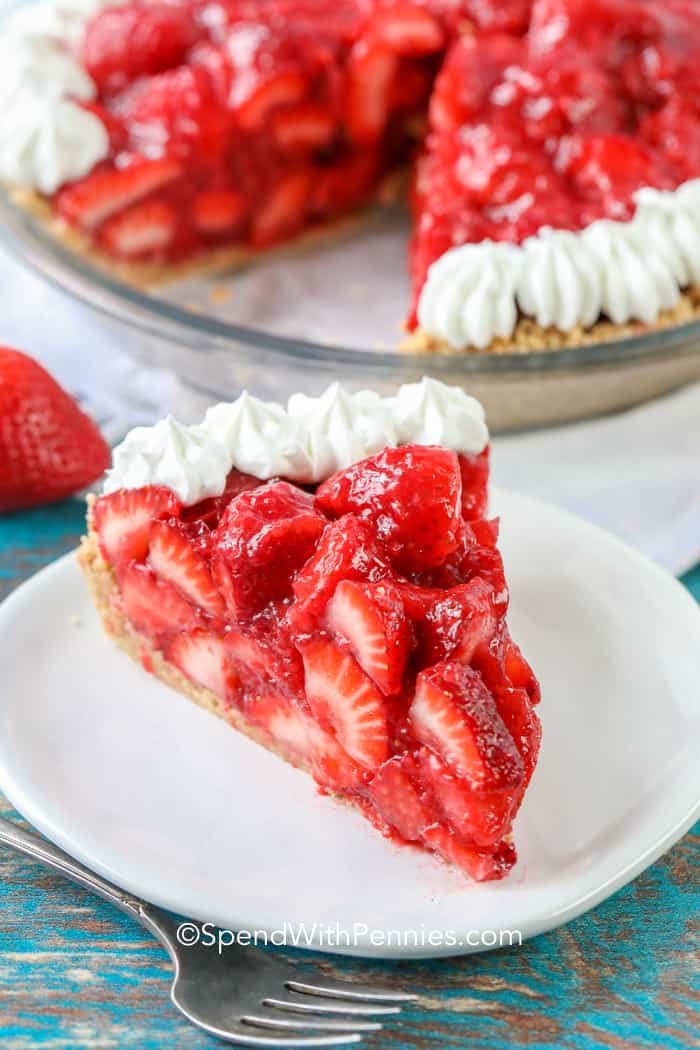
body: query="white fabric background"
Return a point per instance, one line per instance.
(636, 474)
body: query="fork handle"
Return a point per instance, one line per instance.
(40, 849)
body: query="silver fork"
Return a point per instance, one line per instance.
(243, 995)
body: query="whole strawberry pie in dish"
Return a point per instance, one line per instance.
(338, 598)
(554, 147)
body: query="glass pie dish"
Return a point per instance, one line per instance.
(300, 319)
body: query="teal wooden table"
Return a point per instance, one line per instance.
(75, 973)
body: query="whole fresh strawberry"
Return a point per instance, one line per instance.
(49, 448)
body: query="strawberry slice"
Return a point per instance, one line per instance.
(482, 818)
(264, 537)
(201, 656)
(302, 738)
(305, 127)
(481, 865)
(172, 557)
(370, 618)
(408, 30)
(123, 520)
(410, 495)
(285, 88)
(284, 209)
(347, 550)
(145, 230)
(398, 801)
(455, 714)
(372, 67)
(88, 202)
(218, 211)
(154, 606)
(341, 695)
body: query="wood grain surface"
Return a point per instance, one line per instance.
(75, 973)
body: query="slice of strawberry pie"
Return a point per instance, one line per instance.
(326, 579)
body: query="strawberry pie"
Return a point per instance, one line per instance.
(554, 146)
(341, 600)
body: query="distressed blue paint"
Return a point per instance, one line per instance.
(74, 973)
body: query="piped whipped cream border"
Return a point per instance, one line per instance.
(625, 271)
(307, 442)
(46, 137)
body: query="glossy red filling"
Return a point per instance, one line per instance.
(246, 121)
(243, 121)
(361, 628)
(559, 127)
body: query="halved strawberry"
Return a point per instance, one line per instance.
(480, 817)
(457, 622)
(342, 695)
(284, 209)
(370, 618)
(264, 537)
(481, 865)
(303, 739)
(398, 801)
(347, 550)
(305, 127)
(410, 495)
(408, 29)
(88, 202)
(173, 557)
(455, 714)
(372, 67)
(123, 520)
(154, 606)
(218, 211)
(145, 229)
(209, 511)
(281, 89)
(202, 657)
(472, 68)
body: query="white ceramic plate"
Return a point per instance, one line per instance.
(173, 805)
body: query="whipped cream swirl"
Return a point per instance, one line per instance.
(621, 270)
(46, 137)
(469, 297)
(306, 442)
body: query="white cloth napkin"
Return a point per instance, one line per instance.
(636, 473)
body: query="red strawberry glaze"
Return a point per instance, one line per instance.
(245, 120)
(379, 660)
(558, 127)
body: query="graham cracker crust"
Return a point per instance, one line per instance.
(530, 337)
(105, 595)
